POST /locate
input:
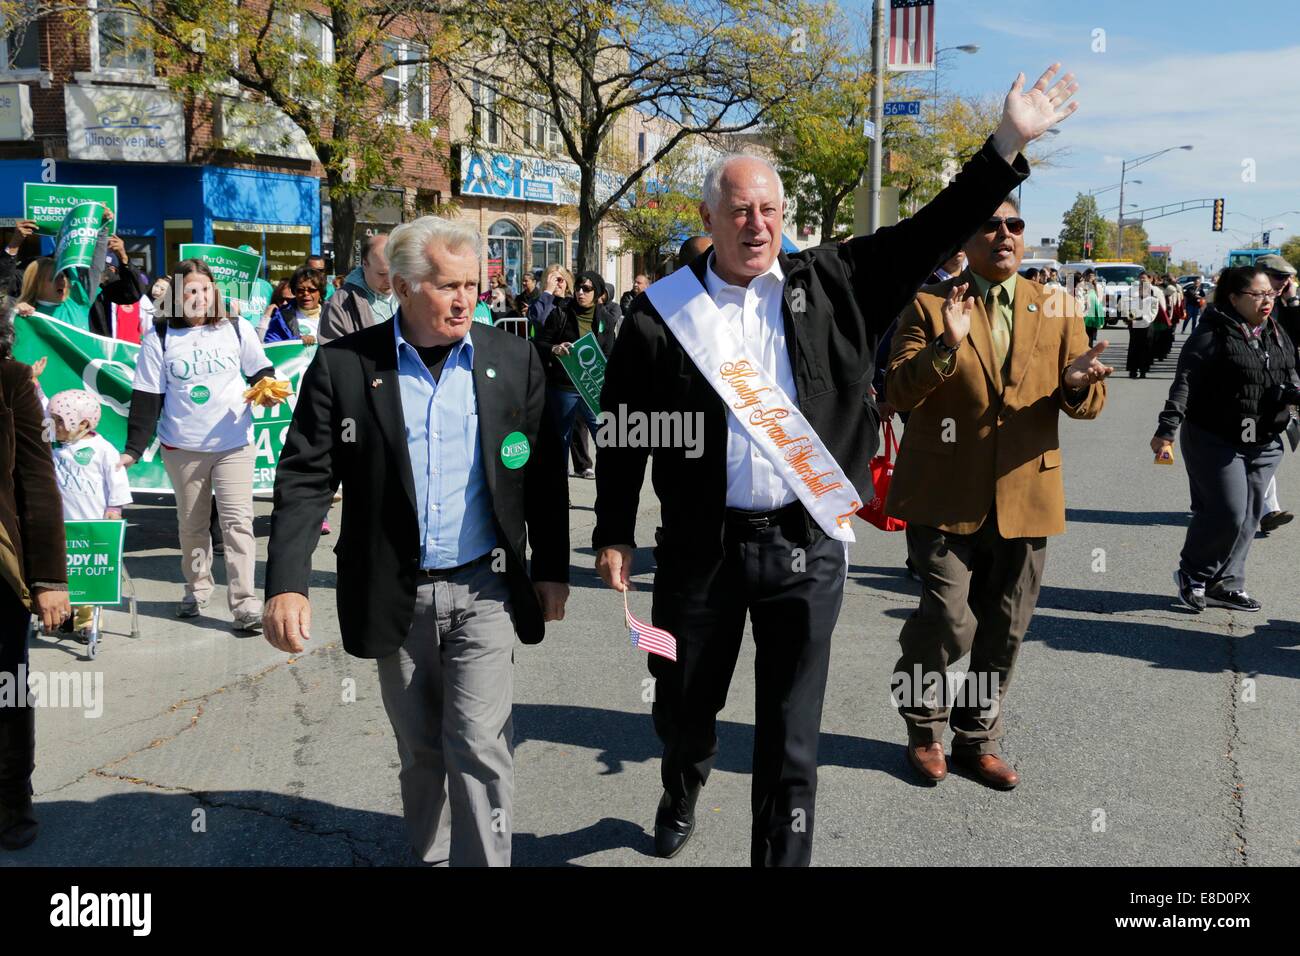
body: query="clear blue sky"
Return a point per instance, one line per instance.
(1224, 78)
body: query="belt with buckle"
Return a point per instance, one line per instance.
(439, 574)
(754, 521)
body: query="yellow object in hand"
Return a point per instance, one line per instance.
(1166, 457)
(267, 392)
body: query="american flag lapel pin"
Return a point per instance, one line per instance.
(376, 382)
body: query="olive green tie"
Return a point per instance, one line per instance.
(998, 329)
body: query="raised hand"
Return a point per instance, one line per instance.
(956, 315)
(1027, 116)
(1087, 368)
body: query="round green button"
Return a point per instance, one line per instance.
(515, 450)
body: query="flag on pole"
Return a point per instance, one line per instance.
(911, 35)
(652, 640)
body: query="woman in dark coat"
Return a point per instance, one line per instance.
(33, 574)
(568, 321)
(1228, 404)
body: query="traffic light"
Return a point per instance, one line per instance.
(1218, 216)
(1266, 237)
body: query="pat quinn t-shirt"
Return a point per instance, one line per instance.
(89, 479)
(202, 381)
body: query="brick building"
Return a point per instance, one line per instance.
(224, 170)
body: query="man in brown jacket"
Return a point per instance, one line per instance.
(985, 362)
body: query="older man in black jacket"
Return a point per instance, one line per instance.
(758, 522)
(451, 468)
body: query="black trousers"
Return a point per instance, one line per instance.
(14, 617)
(1139, 351)
(792, 589)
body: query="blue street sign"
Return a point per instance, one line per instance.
(903, 108)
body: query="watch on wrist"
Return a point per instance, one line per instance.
(944, 349)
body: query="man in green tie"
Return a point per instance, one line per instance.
(985, 362)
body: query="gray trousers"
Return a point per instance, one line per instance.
(1228, 484)
(978, 594)
(448, 692)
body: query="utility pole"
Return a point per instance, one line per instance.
(878, 58)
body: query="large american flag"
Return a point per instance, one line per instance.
(911, 35)
(651, 639)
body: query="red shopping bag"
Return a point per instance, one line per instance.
(882, 472)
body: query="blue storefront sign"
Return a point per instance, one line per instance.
(528, 178)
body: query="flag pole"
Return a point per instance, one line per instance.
(877, 109)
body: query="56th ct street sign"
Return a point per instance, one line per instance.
(903, 108)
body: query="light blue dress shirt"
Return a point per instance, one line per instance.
(441, 420)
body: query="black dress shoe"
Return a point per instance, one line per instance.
(674, 823)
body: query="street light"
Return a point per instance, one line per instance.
(1125, 166)
(964, 48)
(1087, 212)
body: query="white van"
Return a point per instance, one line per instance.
(1116, 282)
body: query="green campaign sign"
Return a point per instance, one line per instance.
(234, 271)
(95, 561)
(585, 364)
(74, 248)
(106, 367)
(48, 203)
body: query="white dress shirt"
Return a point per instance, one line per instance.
(754, 312)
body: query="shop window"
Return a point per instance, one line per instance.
(548, 246)
(117, 42)
(20, 47)
(506, 253)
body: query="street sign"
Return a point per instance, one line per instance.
(868, 129)
(903, 108)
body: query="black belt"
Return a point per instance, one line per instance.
(751, 522)
(439, 574)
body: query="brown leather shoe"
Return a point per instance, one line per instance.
(991, 769)
(929, 762)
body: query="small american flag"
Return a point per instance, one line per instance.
(651, 639)
(911, 35)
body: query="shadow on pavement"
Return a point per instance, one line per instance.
(621, 737)
(1177, 519)
(237, 828)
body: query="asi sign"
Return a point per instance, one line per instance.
(903, 108)
(529, 178)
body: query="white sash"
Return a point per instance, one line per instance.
(771, 418)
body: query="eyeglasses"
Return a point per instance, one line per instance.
(1014, 224)
(1261, 295)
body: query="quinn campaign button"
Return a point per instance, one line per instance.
(515, 450)
(84, 455)
(200, 394)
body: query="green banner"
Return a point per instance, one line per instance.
(585, 364)
(106, 367)
(235, 273)
(75, 246)
(48, 203)
(95, 561)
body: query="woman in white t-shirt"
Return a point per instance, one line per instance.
(190, 380)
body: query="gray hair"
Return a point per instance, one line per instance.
(408, 246)
(713, 177)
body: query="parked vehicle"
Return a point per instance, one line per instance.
(1117, 284)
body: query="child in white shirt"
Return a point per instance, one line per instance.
(85, 467)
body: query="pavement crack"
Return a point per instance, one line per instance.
(1238, 848)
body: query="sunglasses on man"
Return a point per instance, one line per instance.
(1015, 225)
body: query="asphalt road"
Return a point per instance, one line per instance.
(1143, 734)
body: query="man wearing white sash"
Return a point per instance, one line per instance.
(774, 353)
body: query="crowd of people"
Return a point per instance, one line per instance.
(451, 428)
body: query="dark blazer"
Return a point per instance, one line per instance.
(31, 508)
(850, 292)
(561, 326)
(352, 383)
